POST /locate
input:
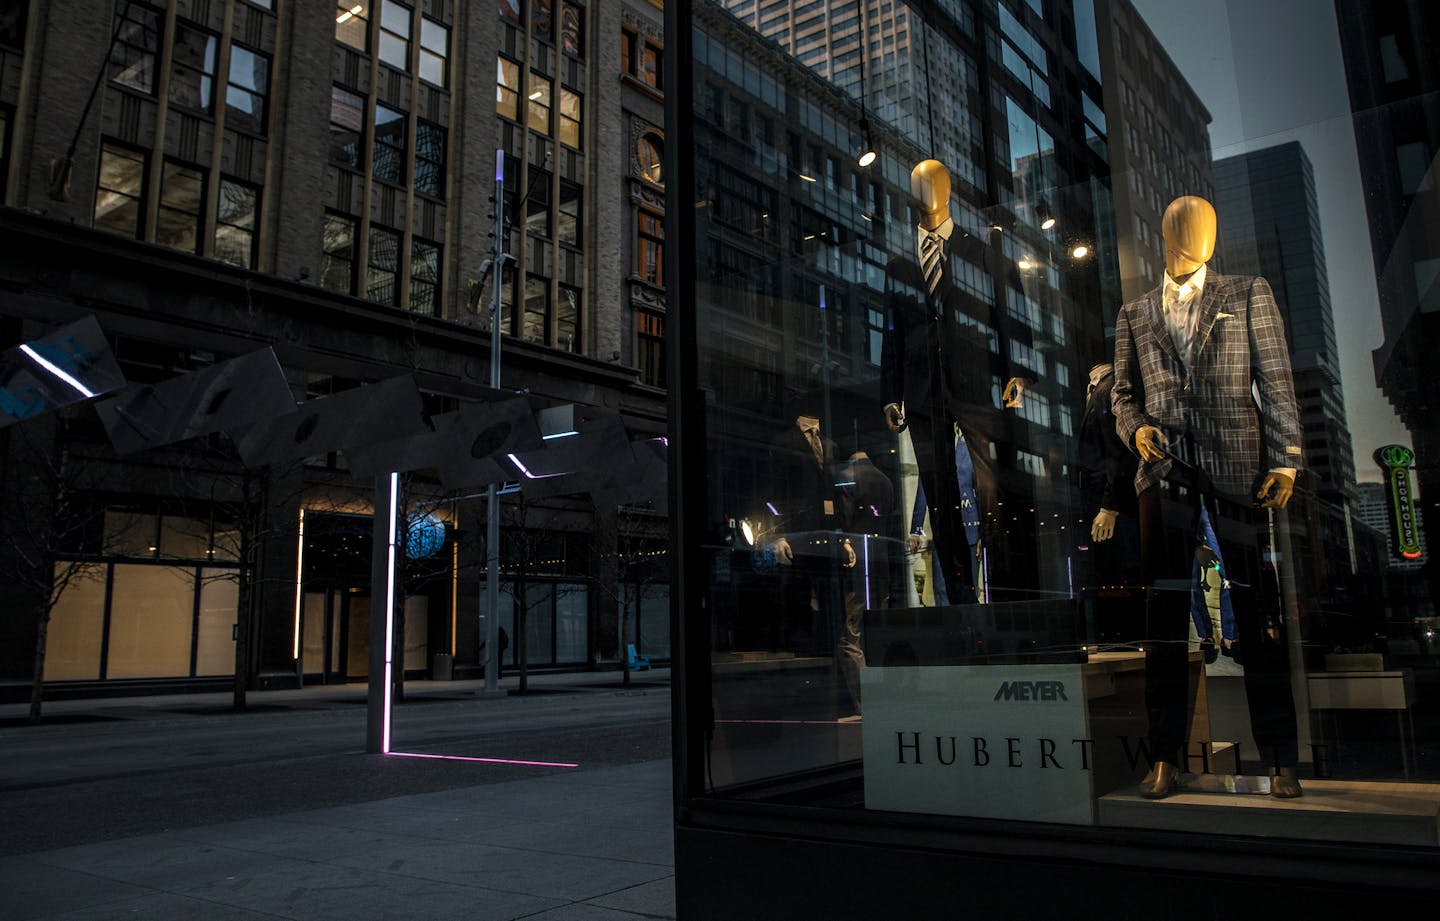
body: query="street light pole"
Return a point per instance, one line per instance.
(492, 492)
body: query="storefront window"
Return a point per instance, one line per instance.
(1066, 454)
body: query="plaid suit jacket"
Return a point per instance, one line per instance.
(1207, 409)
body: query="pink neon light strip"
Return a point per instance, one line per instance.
(792, 722)
(557, 764)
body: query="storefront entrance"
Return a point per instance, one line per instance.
(335, 635)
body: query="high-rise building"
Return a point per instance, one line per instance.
(1395, 100)
(1270, 226)
(1159, 139)
(320, 178)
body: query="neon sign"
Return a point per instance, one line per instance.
(1396, 461)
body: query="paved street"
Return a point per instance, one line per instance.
(176, 807)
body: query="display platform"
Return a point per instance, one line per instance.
(1333, 810)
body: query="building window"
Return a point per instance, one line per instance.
(249, 84)
(507, 89)
(337, 254)
(650, 150)
(429, 159)
(434, 51)
(182, 196)
(651, 249)
(347, 122)
(537, 109)
(425, 278)
(192, 74)
(395, 34)
(650, 347)
(570, 118)
(235, 223)
(352, 24)
(572, 30)
(537, 203)
(542, 20)
(389, 164)
(136, 47)
(567, 320)
(382, 275)
(537, 309)
(120, 192)
(510, 9)
(642, 59)
(569, 229)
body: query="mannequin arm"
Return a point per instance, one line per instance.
(1150, 443)
(1283, 487)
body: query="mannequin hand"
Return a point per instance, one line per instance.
(1283, 487)
(1150, 442)
(1014, 393)
(848, 558)
(1103, 527)
(895, 417)
(912, 543)
(783, 554)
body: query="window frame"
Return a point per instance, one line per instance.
(416, 244)
(348, 15)
(262, 94)
(326, 255)
(124, 15)
(423, 127)
(426, 52)
(207, 105)
(220, 222)
(377, 232)
(399, 149)
(356, 163)
(141, 197)
(388, 33)
(171, 166)
(502, 88)
(564, 121)
(650, 237)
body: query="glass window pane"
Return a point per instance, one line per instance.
(389, 160)
(347, 122)
(535, 327)
(382, 281)
(352, 24)
(539, 623)
(571, 622)
(192, 80)
(151, 612)
(417, 632)
(510, 9)
(337, 264)
(567, 320)
(537, 107)
(118, 196)
(219, 610)
(184, 538)
(570, 121)
(130, 533)
(507, 89)
(77, 624)
(572, 30)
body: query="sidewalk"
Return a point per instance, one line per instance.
(558, 843)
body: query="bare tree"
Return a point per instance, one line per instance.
(634, 563)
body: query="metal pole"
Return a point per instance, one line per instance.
(382, 615)
(492, 492)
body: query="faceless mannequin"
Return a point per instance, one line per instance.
(1190, 227)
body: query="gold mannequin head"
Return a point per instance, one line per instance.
(930, 184)
(1189, 227)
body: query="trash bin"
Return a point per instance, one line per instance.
(442, 666)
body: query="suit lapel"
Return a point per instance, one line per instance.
(1158, 330)
(1205, 322)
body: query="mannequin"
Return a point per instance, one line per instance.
(1188, 358)
(938, 374)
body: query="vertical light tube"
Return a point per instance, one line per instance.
(865, 543)
(454, 593)
(299, 590)
(390, 611)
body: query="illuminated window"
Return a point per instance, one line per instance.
(507, 89)
(642, 59)
(352, 24)
(537, 109)
(395, 34)
(651, 152)
(249, 85)
(651, 248)
(235, 223)
(570, 118)
(434, 51)
(136, 46)
(337, 259)
(192, 70)
(120, 192)
(182, 196)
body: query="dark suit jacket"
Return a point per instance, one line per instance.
(932, 359)
(799, 487)
(1107, 467)
(1239, 341)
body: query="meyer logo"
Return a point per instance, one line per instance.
(1031, 690)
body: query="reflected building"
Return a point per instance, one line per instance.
(1395, 100)
(311, 177)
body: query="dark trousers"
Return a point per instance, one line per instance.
(811, 588)
(933, 436)
(1167, 569)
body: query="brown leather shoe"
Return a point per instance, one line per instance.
(1284, 784)
(1163, 779)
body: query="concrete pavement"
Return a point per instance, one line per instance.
(331, 832)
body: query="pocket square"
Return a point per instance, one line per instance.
(1221, 315)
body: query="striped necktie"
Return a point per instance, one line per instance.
(932, 260)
